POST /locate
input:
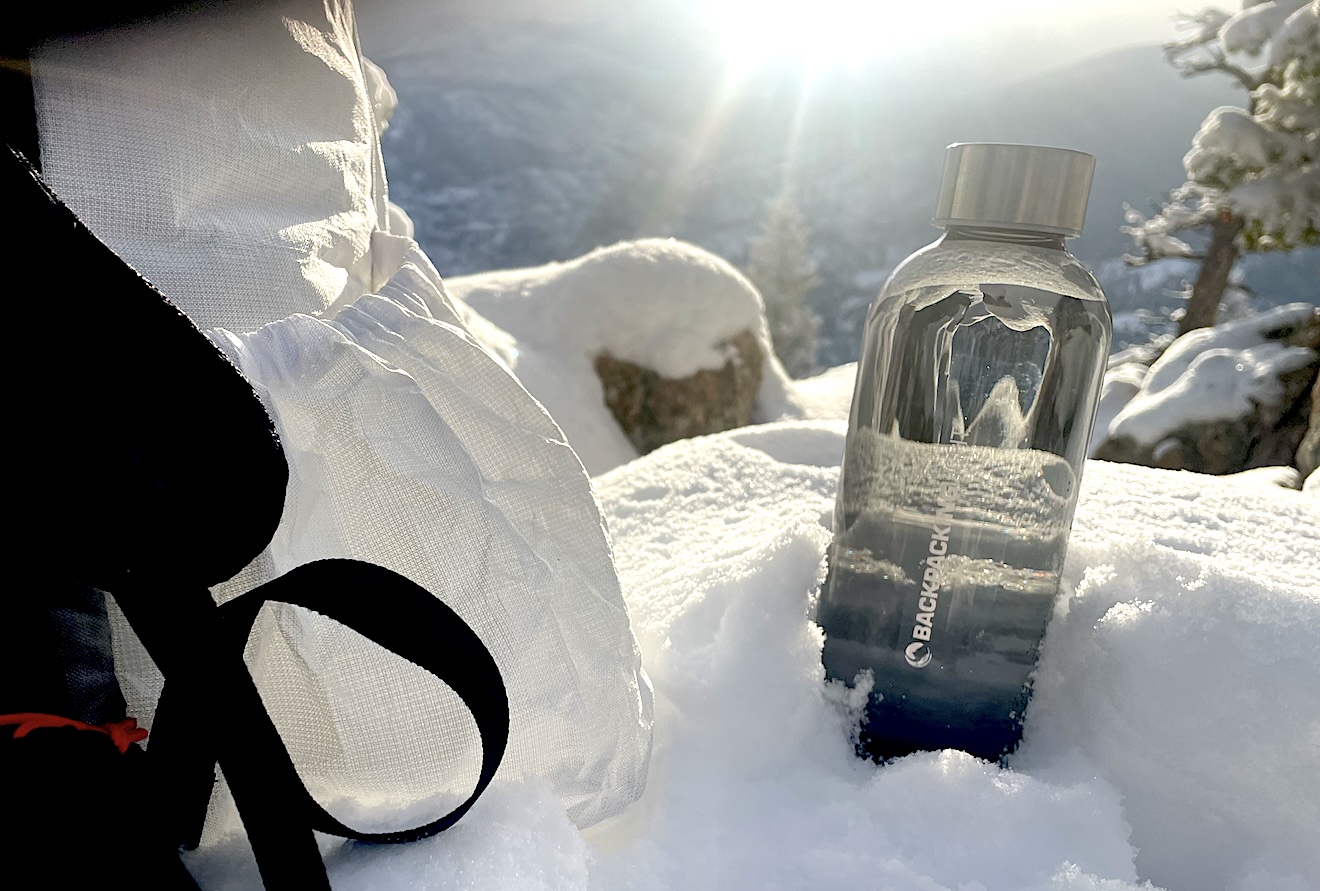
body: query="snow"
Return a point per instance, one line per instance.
(1259, 164)
(1284, 201)
(1300, 30)
(828, 395)
(1210, 374)
(1173, 739)
(1252, 28)
(659, 303)
(1229, 135)
(1121, 383)
(1154, 237)
(1201, 26)
(671, 287)
(1174, 736)
(1166, 245)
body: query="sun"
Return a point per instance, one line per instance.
(816, 31)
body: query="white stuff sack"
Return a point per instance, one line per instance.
(233, 158)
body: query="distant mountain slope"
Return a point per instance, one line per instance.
(517, 143)
(1129, 108)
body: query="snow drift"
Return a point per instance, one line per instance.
(1172, 737)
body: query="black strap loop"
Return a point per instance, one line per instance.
(407, 620)
(200, 651)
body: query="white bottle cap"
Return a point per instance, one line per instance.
(1031, 187)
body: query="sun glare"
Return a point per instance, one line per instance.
(828, 32)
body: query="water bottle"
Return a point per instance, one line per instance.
(976, 392)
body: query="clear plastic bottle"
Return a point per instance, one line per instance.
(976, 393)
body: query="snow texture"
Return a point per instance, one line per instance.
(659, 303)
(1210, 374)
(1121, 383)
(1174, 735)
(828, 395)
(1252, 28)
(1229, 135)
(1299, 31)
(1201, 26)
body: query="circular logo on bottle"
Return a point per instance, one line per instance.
(917, 654)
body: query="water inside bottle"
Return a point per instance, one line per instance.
(970, 423)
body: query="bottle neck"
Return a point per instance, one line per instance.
(1026, 237)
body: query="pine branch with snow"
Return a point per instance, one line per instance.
(1253, 182)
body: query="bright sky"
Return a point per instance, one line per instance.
(1033, 35)
(1040, 33)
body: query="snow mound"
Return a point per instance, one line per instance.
(1183, 667)
(1177, 693)
(1211, 374)
(720, 543)
(659, 303)
(1174, 736)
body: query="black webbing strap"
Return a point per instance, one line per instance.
(210, 710)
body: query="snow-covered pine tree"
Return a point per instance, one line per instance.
(1253, 174)
(780, 266)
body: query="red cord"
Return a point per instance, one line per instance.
(122, 733)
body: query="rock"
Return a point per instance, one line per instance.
(655, 410)
(1308, 453)
(1278, 432)
(1271, 434)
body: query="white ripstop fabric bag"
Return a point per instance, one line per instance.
(233, 158)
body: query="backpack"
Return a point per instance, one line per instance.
(407, 444)
(113, 498)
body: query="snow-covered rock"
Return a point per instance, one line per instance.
(655, 410)
(1219, 399)
(1308, 452)
(659, 304)
(1122, 383)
